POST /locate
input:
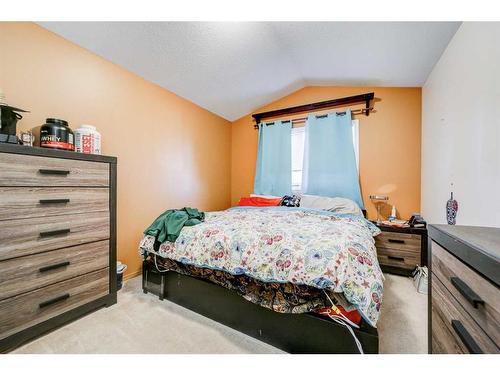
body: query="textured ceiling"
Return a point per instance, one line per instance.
(234, 68)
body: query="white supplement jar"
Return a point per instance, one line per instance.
(87, 140)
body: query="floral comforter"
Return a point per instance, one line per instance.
(286, 245)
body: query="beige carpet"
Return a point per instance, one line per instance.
(140, 323)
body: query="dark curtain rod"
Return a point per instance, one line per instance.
(362, 98)
(304, 119)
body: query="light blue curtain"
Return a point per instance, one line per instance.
(329, 159)
(273, 175)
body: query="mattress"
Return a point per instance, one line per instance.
(289, 251)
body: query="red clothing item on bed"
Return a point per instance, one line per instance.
(259, 201)
(353, 315)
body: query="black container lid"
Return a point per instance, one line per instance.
(56, 121)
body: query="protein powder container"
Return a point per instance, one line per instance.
(55, 133)
(88, 140)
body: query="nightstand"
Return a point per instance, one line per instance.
(400, 250)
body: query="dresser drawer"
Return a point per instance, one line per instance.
(478, 296)
(26, 310)
(399, 241)
(20, 275)
(398, 258)
(453, 330)
(27, 202)
(30, 236)
(27, 170)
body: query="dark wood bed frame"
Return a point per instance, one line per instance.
(293, 333)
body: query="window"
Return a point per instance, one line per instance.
(298, 142)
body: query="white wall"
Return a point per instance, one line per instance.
(461, 128)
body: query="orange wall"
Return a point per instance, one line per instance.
(171, 153)
(174, 153)
(389, 145)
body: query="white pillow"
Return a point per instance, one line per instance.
(264, 196)
(337, 204)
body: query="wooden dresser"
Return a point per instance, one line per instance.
(464, 303)
(57, 239)
(400, 250)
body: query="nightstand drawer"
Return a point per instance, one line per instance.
(452, 329)
(398, 258)
(400, 241)
(477, 295)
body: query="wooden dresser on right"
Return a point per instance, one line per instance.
(464, 298)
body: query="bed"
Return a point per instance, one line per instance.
(286, 263)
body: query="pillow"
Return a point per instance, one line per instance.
(290, 201)
(338, 205)
(264, 196)
(259, 201)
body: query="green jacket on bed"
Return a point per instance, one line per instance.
(168, 225)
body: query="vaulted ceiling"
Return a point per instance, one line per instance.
(234, 68)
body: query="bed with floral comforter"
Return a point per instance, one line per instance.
(307, 247)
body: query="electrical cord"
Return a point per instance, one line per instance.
(158, 268)
(342, 319)
(334, 308)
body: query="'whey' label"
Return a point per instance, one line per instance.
(62, 140)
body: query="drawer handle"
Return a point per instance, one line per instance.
(58, 172)
(53, 300)
(399, 259)
(467, 292)
(54, 232)
(391, 240)
(54, 266)
(465, 337)
(49, 201)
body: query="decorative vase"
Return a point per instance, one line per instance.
(451, 210)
